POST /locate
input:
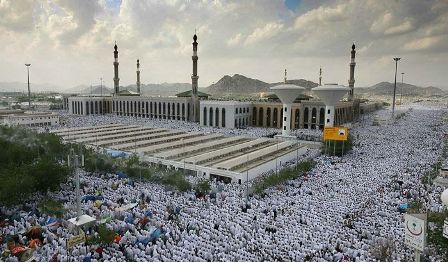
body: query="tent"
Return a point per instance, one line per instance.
(126, 207)
(82, 220)
(115, 153)
(121, 174)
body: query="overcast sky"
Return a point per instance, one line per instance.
(70, 42)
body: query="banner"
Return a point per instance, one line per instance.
(336, 133)
(415, 231)
(78, 239)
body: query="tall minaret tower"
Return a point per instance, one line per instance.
(351, 81)
(194, 82)
(320, 76)
(116, 79)
(138, 76)
(286, 79)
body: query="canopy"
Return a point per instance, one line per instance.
(82, 220)
(121, 175)
(126, 207)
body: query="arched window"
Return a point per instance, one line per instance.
(313, 118)
(217, 117)
(274, 124)
(297, 119)
(188, 112)
(306, 118)
(321, 118)
(210, 121)
(147, 109)
(268, 117)
(205, 116)
(178, 111)
(96, 107)
(159, 113)
(254, 117)
(87, 108)
(183, 111)
(169, 110)
(223, 117)
(260, 116)
(239, 122)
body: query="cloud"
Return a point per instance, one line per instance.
(255, 37)
(265, 32)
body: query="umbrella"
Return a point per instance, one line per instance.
(34, 243)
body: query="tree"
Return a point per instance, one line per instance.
(383, 250)
(203, 186)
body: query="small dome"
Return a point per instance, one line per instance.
(353, 46)
(444, 197)
(195, 37)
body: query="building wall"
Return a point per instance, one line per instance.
(174, 108)
(35, 119)
(84, 105)
(226, 114)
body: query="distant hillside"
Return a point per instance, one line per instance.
(244, 85)
(386, 88)
(164, 89)
(237, 84)
(84, 89)
(23, 87)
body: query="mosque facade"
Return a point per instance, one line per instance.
(193, 106)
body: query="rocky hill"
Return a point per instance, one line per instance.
(386, 88)
(239, 84)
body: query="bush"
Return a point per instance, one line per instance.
(335, 147)
(203, 187)
(106, 236)
(29, 162)
(283, 176)
(52, 207)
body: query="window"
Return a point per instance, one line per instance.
(223, 117)
(286, 109)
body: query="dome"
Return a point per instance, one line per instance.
(444, 197)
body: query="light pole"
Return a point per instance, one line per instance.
(29, 92)
(401, 95)
(396, 59)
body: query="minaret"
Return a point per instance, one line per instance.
(351, 81)
(116, 79)
(320, 76)
(194, 82)
(285, 76)
(138, 76)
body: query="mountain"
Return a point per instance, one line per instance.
(23, 87)
(386, 88)
(84, 89)
(164, 89)
(237, 84)
(244, 85)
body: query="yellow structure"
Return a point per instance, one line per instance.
(336, 133)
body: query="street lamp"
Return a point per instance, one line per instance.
(29, 92)
(396, 59)
(401, 95)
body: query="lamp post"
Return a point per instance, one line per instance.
(396, 59)
(247, 181)
(29, 92)
(401, 95)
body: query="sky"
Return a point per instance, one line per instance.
(70, 42)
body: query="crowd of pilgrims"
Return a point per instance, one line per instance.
(339, 211)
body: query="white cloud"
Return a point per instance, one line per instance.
(265, 32)
(255, 37)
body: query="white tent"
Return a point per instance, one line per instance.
(82, 220)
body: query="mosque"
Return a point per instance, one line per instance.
(195, 106)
